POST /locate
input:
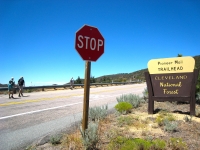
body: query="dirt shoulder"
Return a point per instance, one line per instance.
(141, 125)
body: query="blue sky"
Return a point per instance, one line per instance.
(37, 38)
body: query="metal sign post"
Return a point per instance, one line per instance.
(86, 95)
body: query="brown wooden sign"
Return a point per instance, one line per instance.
(172, 84)
(171, 79)
(172, 87)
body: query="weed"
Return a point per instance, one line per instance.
(145, 94)
(111, 134)
(116, 142)
(170, 126)
(197, 113)
(133, 99)
(158, 144)
(149, 138)
(122, 143)
(123, 107)
(55, 139)
(198, 98)
(163, 116)
(144, 132)
(145, 121)
(187, 119)
(97, 113)
(130, 120)
(30, 148)
(72, 141)
(138, 124)
(90, 136)
(29, 90)
(177, 144)
(125, 120)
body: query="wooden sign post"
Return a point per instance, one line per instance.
(86, 94)
(89, 43)
(171, 79)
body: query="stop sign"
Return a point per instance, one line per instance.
(89, 43)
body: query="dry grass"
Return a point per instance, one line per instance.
(142, 126)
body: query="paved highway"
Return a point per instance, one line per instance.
(27, 119)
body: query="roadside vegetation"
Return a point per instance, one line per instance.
(130, 127)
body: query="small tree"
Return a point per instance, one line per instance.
(179, 55)
(92, 80)
(78, 80)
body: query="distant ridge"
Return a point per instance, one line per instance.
(3, 85)
(137, 75)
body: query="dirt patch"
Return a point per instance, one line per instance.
(141, 125)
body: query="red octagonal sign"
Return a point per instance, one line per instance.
(89, 43)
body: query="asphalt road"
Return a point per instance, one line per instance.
(27, 119)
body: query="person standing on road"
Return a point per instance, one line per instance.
(11, 85)
(21, 83)
(72, 82)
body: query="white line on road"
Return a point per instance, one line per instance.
(36, 111)
(31, 112)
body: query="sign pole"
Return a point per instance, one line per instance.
(86, 95)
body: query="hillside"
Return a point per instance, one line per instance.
(125, 77)
(197, 61)
(3, 85)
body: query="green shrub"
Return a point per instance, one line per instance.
(142, 144)
(198, 84)
(129, 145)
(122, 143)
(90, 136)
(29, 90)
(198, 98)
(116, 143)
(55, 139)
(98, 113)
(187, 119)
(177, 144)
(158, 144)
(30, 147)
(197, 112)
(125, 120)
(145, 94)
(170, 126)
(134, 100)
(123, 107)
(164, 116)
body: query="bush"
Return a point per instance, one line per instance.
(29, 90)
(122, 143)
(158, 144)
(142, 144)
(134, 100)
(123, 107)
(164, 117)
(187, 119)
(55, 140)
(145, 94)
(198, 98)
(197, 112)
(177, 144)
(170, 126)
(90, 136)
(98, 113)
(198, 84)
(125, 120)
